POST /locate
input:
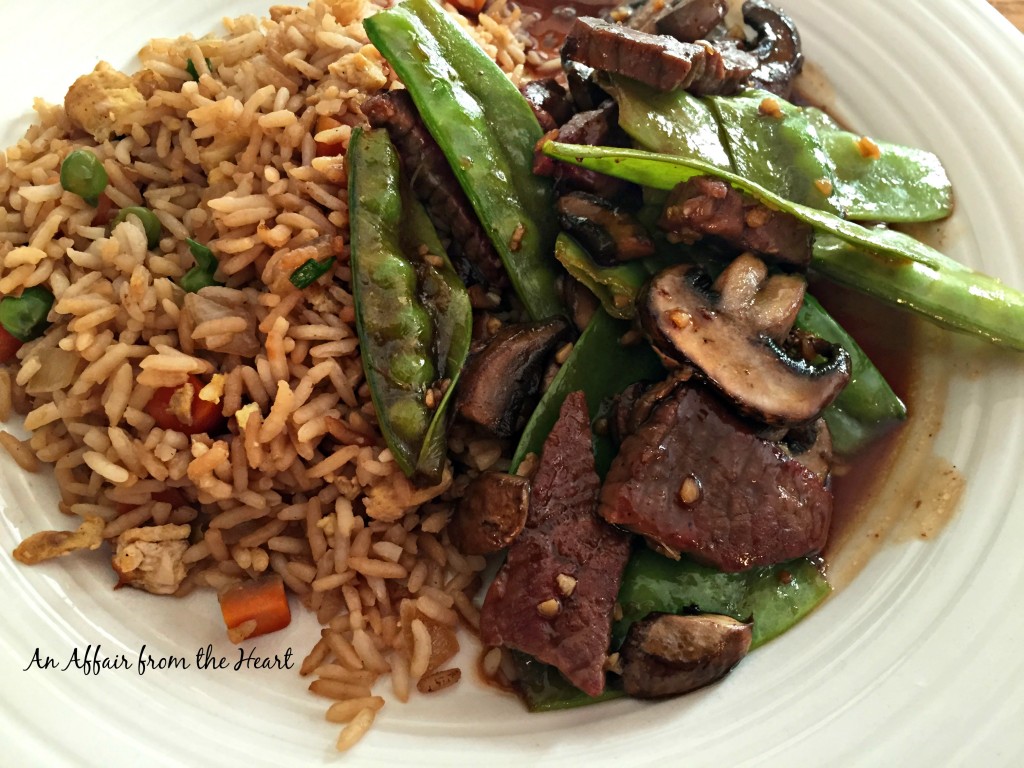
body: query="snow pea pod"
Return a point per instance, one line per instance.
(487, 131)
(615, 287)
(886, 264)
(867, 407)
(412, 315)
(600, 366)
(796, 152)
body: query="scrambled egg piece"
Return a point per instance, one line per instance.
(47, 545)
(104, 102)
(150, 558)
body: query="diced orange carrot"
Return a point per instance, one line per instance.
(323, 149)
(263, 601)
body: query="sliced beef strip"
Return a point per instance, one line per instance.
(703, 206)
(660, 61)
(549, 102)
(696, 479)
(554, 596)
(595, 127)
(433, 182)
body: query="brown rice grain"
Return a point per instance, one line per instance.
(334, 689)
(439, 680)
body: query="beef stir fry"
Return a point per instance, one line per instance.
(684, 200)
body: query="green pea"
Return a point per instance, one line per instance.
(149, 222)
(82, 174)
(24, 317)
(197, 278)
(412, 369)
(408, 419)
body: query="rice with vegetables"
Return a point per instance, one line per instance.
(225, 166)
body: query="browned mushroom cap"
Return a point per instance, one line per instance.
(491, 514)
(686, 20)
(685, 320)
(777, 49)
(667, 655)
(811, 445)
(501, 380)
(610, 234)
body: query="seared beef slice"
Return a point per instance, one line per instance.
(696, 479)
(553, 597)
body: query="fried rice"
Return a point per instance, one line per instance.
(299, 482)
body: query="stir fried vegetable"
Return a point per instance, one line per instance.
(202, 274)
(867, 407)
(487, 131)
(181, 409)
(83, 174)
(150, 223)
(797, 153)
(880, 262)
(412, 311)
(24, 316)
(262, 602)
(310, 271)
(9, 345)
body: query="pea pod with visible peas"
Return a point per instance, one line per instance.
(487, 131)
(412, 311)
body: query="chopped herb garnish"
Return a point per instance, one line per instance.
(310, 272)
(190, 67)
(202, 274)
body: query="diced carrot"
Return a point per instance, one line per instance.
(204, 416)
(263, 601)
(323, 149)
(469, 6)
(9, 345)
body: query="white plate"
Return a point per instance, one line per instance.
(917, 662)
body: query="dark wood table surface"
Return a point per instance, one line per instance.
(1011, 9)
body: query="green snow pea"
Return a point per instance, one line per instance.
(412, 312)
(889, 265)
(673, 122)
(867, 406)
(487, 131)
(602, 367)
(800, 154)
(901, 184)
(616, 287)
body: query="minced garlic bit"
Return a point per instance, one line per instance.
(769, 107)
(517, 238)
(213, 391)
(566, 583)
(549, 608)
(824, 186)
(689, 491)
(868, 149)
(679, 318)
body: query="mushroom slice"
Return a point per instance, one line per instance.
(491, 514)
(777, 49)
(666, 655)
(684, 318)
(501, 380)
(610, 234)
